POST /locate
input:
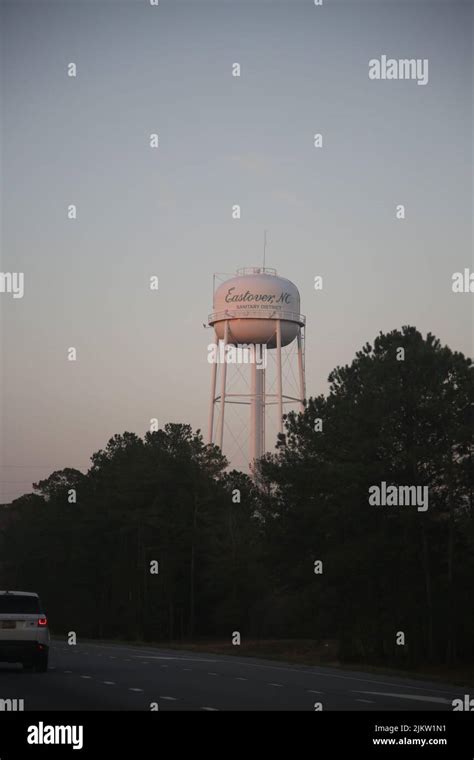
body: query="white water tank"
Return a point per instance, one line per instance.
(251, 302)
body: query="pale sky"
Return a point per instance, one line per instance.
(329, 211)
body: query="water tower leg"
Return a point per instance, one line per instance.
(257, 412)
(301, 367)
(279, 380)
(213, 398)
(253, 412)
(263, 410)
(223, 381)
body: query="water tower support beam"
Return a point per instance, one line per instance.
(213, 397)
(253, 413)
(301, 366)
(257, 412)
(279, 380)
(223, 381)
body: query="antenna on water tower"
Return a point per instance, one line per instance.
(264, 246)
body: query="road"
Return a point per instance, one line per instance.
(104, 676)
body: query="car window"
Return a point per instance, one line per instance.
(12, 604)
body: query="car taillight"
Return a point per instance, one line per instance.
(42, 621)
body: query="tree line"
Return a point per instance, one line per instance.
(296, 551)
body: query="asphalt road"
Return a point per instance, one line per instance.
(119, 677)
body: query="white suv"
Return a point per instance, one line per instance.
(24, 632)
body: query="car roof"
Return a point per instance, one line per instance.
(20, 593)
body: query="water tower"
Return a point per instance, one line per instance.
(255, 313)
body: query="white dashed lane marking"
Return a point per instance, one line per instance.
(171, 699)
(239, 678)
(313, 691)
(274, 684)
(369, 701)
(109, 683)
(86, 676)
(212, 674)
(210, 709)
(68, 671)
(135, 689)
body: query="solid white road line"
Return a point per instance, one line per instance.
(418, 698)
(163, 657)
